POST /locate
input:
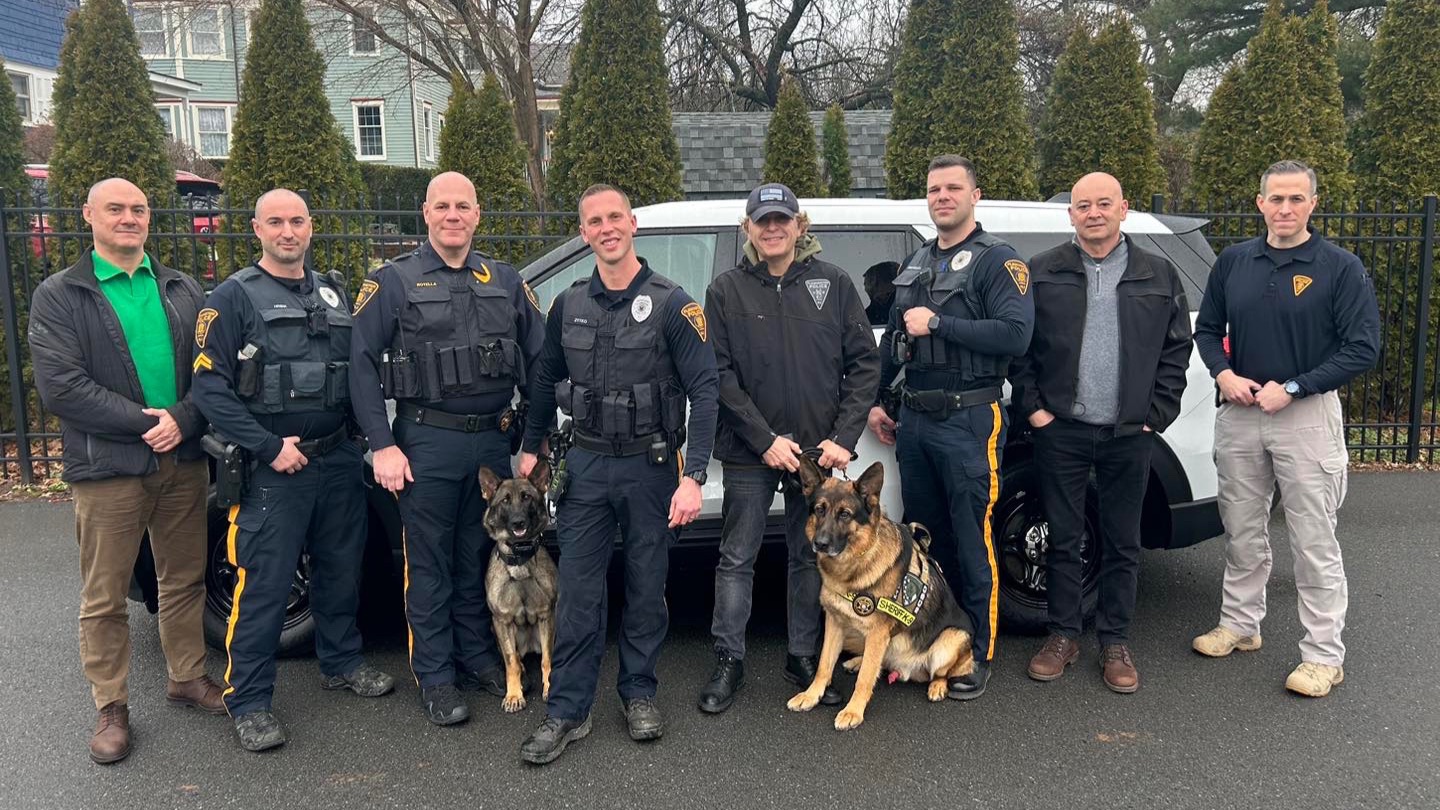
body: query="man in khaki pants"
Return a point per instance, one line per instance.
(110, 340)
(1302, 322)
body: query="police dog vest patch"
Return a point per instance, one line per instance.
(367, 291)
(696, 316)
(1301, 283)
(202, 325)
(1020, 274)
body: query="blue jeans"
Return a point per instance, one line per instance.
(749, 491)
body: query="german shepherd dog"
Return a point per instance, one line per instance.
(884, 598)
(520, 583)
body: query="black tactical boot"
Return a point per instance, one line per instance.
(259, 730)
(646, 722)
(725, 681)
(548, 741)
(491, 679)
(969, 687)
(443, 705)
(800, 670)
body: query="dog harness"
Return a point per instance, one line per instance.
(909, 598)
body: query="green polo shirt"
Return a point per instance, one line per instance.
(136, 299)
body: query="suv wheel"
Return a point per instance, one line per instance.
(1022, 533)
(297, 634)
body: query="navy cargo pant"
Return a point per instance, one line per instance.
(447, 549)
(949, 481)
(319, 510)
(606, 492)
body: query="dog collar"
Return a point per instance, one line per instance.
(903, 606)
(517, 560)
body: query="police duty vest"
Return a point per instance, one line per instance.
(622, 383)
(299, 359)
(455, 338)
(947, 287)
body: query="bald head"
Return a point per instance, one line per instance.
(279, 196)
(282, 224)
(446, 184)
(451, 215)
(1097, 207)
(119, 218)
(112, 187)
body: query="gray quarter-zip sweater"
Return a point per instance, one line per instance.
(1097, 392)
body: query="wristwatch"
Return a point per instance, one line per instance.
(934, 323)
(1293, 389)
(698, 477)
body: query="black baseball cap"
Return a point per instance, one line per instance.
(772, 198)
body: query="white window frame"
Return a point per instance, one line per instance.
(194, 14)
(170, 108)
(427, 126)
(357, 28)
(355, 107)
(163, 13)
(27, 113)
(229, 128)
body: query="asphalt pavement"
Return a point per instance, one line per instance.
(1200, 733)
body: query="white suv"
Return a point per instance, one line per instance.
(691, 242)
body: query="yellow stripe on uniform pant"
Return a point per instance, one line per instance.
(992, 454)
(233, 557)
(409, 630)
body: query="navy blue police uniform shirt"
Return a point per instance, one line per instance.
(1007, 309)
(378, 309)
(217, 366)
(692, 355)
(1306, 313)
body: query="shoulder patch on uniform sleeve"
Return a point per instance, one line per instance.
(695, 314)
(530, 296)
(202, 325)
(202, 363)
(1020, 274)
(367, 291)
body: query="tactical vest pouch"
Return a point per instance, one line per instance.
(617, 415)
(672, 408)
(397, 376)
(272, 387)
(646, 409)
(247, 379)
(429, 372)
(307, 383)
(337, 384)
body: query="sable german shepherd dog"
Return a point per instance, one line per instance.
(884, 598)
(520, 583)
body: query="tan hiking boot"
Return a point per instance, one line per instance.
(1117, 669)
(200, 693)
(111, 740)
(1058, 653)
(1222, 641)
(1314, 680)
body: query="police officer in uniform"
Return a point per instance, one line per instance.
(449, 334)
(962, 311)
(273, 349)
(624, 349)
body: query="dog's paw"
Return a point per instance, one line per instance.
(848, 718)
(852, 665)
(803, 702)
(937, 690)
(513, 703)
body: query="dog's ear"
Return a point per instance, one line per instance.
(540, 475)
(810, 475)
(489, 482)
(868, 486)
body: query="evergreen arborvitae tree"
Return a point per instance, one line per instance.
(1100, 116)
(1320, 90)
(1226, 119)
(835, 141)
(478, 140)
(790, 144)
(285, 135)
(106, 124)
(614, 124)
(12, 137)
(957, 91)
(1396, 157)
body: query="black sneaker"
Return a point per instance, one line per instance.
(548, 741)
(443, 705)
(490, 679)
(259, 731)
(364, 680)
(725, 681)
(969, 687)
(800, 670)
(646, 722)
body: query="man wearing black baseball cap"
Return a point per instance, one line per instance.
(778, 320)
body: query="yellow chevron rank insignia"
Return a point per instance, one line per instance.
(1302, 283)
(483, 274)
(696, 316)
(202, 363)
(1020, 274)
(367, 291)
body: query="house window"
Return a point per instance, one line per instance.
(212, 124)
(427, 130)
(21, 83)
(167, 120)
(370, 130)
(150, 28)
(207, 36)
(362, 38)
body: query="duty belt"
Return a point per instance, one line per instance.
(938, 400)
(464, 422)
(610, 447)
(312, 448)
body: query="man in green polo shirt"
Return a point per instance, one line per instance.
(110, 339)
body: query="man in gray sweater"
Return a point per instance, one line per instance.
(1104, 372)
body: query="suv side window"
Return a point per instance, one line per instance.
(858, 251)
(688, 259)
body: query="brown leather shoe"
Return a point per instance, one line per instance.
(1118, 669)
(200, 693)
(111, 741)
(1058, 653)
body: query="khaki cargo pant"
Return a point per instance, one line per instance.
(1303, 449)
(111, 516)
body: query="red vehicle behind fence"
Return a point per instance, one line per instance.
(197, 193)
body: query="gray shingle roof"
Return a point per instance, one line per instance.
(724, 153)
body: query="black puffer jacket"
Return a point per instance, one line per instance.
(85, 375)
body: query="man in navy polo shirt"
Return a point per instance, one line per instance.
(1302, 321)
